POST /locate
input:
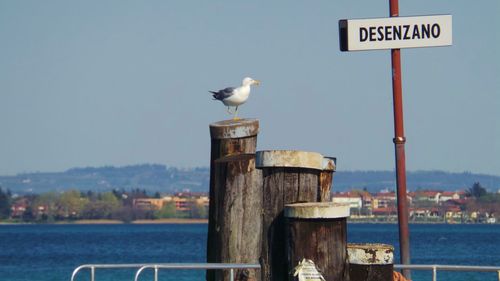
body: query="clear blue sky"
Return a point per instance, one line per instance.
(93, 83)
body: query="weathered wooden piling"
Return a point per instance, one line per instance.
(370, 262)
(288, 177)
(235, 198)
(317, 232)
(326, 178)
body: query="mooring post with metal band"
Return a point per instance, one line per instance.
(235, 199)
(316, 239)
(287, 177)
(370, 262)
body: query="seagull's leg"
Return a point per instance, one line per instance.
(229, 110)
(236, 114)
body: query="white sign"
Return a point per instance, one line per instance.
(306, 271)
(395, 33)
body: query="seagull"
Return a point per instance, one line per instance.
(232, 96)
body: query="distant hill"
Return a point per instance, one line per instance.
(154, 177)
(377, 180)
(151, 177)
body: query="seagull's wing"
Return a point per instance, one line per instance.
(223, 94)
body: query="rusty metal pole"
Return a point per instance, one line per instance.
(399, 142)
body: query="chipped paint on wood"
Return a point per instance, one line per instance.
(329, 164)
(326, 178)
(322, 210)
(230, 129)
(289, 158)
(325, 186)
(370, 262)
(370, 254)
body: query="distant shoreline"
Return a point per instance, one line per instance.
(171, 221)
(157, 221)
(203, 221)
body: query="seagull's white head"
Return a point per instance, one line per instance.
(249, 81)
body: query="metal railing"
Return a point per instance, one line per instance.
(436, 267)
(232, 266)
(156, 267)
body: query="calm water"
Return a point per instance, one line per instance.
(51, 252)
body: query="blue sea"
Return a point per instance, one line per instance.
(51, 252)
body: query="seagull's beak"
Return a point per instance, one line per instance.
(256, 82)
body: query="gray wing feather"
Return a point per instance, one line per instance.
(223, 94)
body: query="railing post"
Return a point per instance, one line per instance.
(498, 275)
(434, 273)
(92, 273)
(156, 273)
(231, 277)
(138, 272)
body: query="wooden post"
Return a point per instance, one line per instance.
(326, 178)
(370, 262)
(317, 232)
(235, 207)
(288, 177)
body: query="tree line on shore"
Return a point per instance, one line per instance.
(481, 199)
(77, 205)
(472, 205)
(119, 205)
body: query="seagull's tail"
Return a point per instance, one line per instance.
(214, 95)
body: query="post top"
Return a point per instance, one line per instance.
(229, 129)
(329, 163)
(371, 246)
(369, 254)
(288, 158)
(317, 210)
